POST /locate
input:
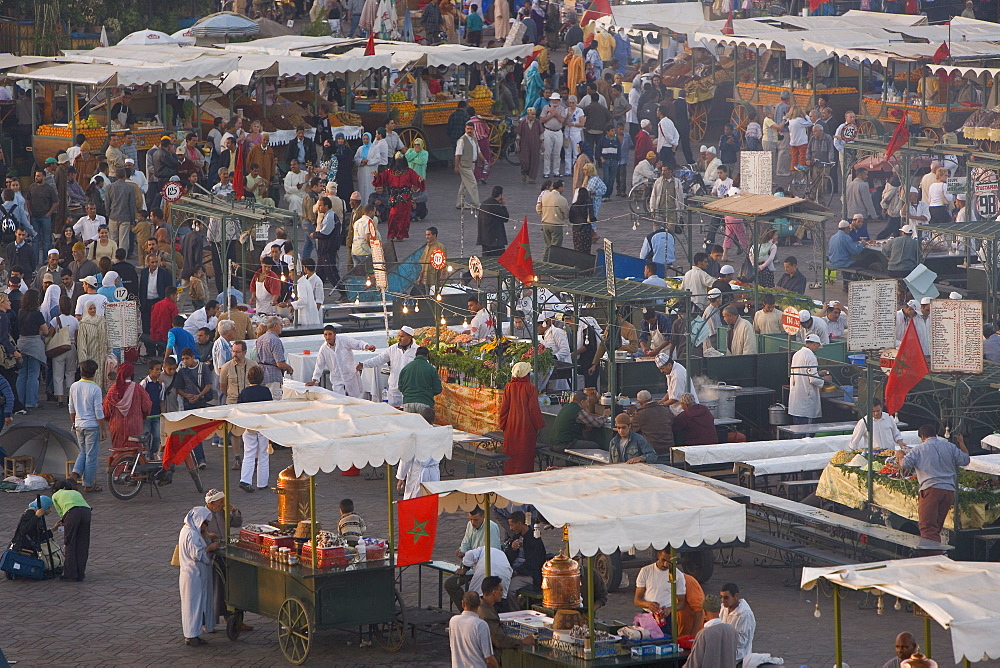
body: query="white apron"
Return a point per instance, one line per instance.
(264, 298)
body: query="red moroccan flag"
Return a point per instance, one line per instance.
(911, 7)
(598, 9)
(240, 174)
(942, 54)
(370, 46)
(183, 441)
(517, 258)
(728, 28)
(900, 136)
(417, 528)
(909, 368)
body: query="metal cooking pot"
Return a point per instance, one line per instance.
(727, 400)
(777, 415)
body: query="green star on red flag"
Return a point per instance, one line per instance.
(420, 515)
(517, 258)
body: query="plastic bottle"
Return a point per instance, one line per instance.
(362, 550)
(385, 396)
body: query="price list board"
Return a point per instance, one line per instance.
(122, 320)
(956, 336)
(755, 172)
(871, 315)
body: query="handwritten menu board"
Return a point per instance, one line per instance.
(956, 336)
(755, 172)
(122, 319)
(871, 315)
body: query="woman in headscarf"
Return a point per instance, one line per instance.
(574, 68)
(520, 420)
(126, 406)
(31, 530)
(399, 182)
(482, 132)
(366, 172)
(533, 84)
(50, 300)
(92, 342)
(194, 549)
(581, 217)
(108, 284)
(344, 173)
(32, 325)
(416, 157)
(586, 157)
(529, 145)
(595, 185)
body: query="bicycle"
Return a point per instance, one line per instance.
(814, 185)
(129, 469)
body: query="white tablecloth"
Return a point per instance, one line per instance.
(372, 379)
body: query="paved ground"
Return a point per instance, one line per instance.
(127, 611)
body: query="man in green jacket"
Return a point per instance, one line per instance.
(419, 383)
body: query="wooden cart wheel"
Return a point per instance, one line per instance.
(988, 145)
(497, 131)
(609, 569)
(867, 129)
(294, 631)
(700, 564)
(234, 624)
(392, 634)
(698, 117)
(408, 133)
(931, 133)
(740, 118)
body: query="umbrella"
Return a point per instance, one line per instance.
(225, 24)
(184, 36)
(269, 28)
(147, 37)
(51, 446)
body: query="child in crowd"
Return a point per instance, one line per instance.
(351, 526)
(154, 388)
(142, 229)
(255, 446)
(171, 401)
(196, 288)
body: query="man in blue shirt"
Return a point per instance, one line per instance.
(991, 346)
(936, 462)
(846, 252)
(179, 338)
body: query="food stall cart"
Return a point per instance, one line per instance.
(957, 595)
(329, 585)
(598, 511)
(420, 114)
(87, 89)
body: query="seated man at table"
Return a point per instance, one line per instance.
(475, 561)
(885, 433)
(628, 447)
(652, 589)
(569, 424)
(654, 422)
(695, 425)
(526, 554)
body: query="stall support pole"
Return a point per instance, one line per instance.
(871, 425)
(312, 519)
(673, 600)
(486, 552)
(590, 607)
(838, 649)
(392, 527)
(225, 477)
(927, 637)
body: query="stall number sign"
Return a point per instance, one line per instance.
(790, 321)
(985, 191)
(438, 259)
(476, 268)
(172, 191)
(378, 264)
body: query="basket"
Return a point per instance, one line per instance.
(267, 540)
(873, 106)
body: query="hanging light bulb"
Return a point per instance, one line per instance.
(357, 300)
(438, 297)
(816, 613)
(465, 323)
(405, 309)
(368, 282)
(450, 269)
(635, 225)
(898, 605)
(880, 608)
(442, 321)
(416, 308)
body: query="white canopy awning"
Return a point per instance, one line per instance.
(251, 65)
(979, 73)
(96, 74)
(678, 17)
(327, 431)
(608, 508)
(960, 596)
(132, 55)
(9, 61)
(405, 54)
(289, 45)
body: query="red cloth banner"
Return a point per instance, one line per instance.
(417, 529)
(900, 136)
(517, 258)
(183, 441)
(909, 368)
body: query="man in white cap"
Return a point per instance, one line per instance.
(835, 320)
(845, 252)
(804, 383)
(711, 163)
(397, 356)
(89, 295)
(553, 119)
(812, 326)
(643, 141)
(677, 382)
(955, 295)
(724, 282)
(335, 357)
(713, 319)
(309, 290)
(215, 501)
(136, 177)
(915, 211)
(51, 266)
(903, 253)
(965, 213)
(923, 323)
(904, 315)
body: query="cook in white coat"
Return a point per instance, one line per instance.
(811, 325)
(677, 382)
(396, 356)
(555, 339)
(804, 381)
(885, 435)
(309, 290)
(193, 551)
(411, 474)
(336, 357)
